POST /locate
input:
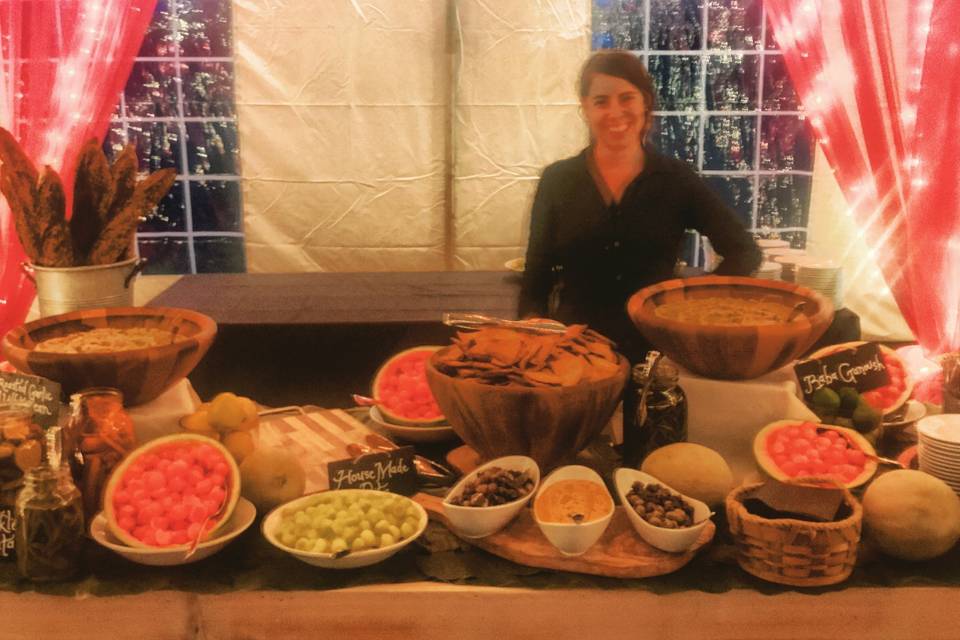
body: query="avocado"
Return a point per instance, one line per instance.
(849, 399)
(826, 401)
(865, 418)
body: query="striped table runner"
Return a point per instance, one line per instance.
(316, 438)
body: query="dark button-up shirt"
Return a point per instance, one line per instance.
(588, 254)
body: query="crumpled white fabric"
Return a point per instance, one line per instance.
(342, 123)
(726, 415)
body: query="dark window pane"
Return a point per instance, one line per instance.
(215, 205)
(212, 147)
(675, 24)
(151, 90)
(737, 193)
(778, 91)
(159, 42)
(169, 215)
(728, 142)
(114, 141)
(733, 24)
(165, 255)
(204, 28)
(784, 201)
(676, 136)
(677, 79)
(617, 24)
(785, 143)
(158, 144)
(219, 255)
(732, 82)
(208, 89)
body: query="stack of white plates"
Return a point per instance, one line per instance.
(939, 447)
(769, 271)
(788, 259)
(823, 276)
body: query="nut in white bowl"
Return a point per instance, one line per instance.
(573, 538)
(480, 522)
(672, 540)
(353, 559)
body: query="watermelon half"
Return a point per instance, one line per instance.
(171, 490)
(887, 399)
(793, 449)
(401, 389)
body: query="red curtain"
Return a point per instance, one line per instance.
(878, 79)
(63, 65)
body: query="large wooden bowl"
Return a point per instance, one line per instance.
(724, 352)
(549, 424)
(141, 374)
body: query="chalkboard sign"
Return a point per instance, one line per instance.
(7, 530)
(860, 367)
(43, 394)
(387, 471)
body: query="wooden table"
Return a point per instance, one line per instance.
(427, 610)
(316, 338)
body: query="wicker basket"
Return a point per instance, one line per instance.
(794, 552)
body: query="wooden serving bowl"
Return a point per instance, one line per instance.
(141, 374)
(730, 353)
(548, 424)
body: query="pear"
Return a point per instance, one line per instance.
(240, 444)
(226, 412)
(197, 421)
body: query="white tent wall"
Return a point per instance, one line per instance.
(342, 115)
(517, 112)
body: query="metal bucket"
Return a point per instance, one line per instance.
(63, 289)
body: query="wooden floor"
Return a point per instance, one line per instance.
(427, 610)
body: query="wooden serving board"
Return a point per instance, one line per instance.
(620, 552)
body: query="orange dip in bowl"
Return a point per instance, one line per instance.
(572, 501)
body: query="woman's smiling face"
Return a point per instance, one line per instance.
(615, 111)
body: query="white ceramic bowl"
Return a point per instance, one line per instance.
(432, 433)
(573, 539)
(479, 522)
(327, 560)
(243, 516)
(672, 540)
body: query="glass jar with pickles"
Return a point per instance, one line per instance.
(20, 450)
(100, 435)
(49, 519)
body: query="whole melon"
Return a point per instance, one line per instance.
(911, 515)
(692, 469)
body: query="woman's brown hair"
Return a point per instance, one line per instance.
(623, 65)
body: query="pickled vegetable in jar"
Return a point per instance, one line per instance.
(101, 435)
(49, 520)
(20, 451)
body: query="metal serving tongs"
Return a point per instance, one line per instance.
(480, 321)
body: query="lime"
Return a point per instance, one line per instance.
(849, 399)
(826, 401)
(865, 418)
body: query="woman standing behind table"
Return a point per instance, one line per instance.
(611, 220)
